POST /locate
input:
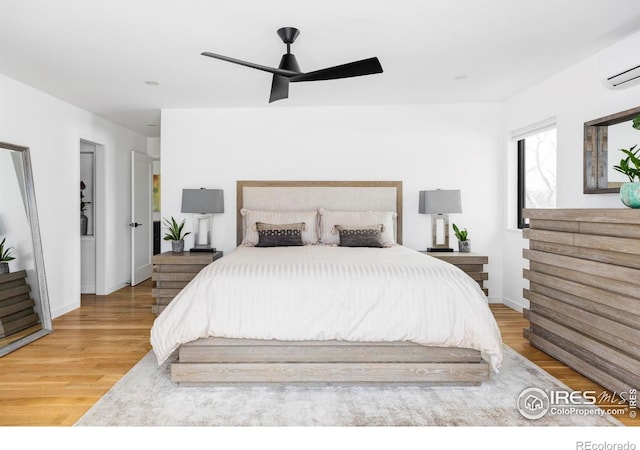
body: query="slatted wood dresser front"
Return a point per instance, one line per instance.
(173, 271)
(584, 291)
(16, 307)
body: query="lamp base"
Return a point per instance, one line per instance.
(439, 249)
(203, 250)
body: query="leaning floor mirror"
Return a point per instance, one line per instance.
(24, 303)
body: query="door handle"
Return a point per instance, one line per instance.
(134, 224)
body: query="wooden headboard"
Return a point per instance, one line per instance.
(310, 195)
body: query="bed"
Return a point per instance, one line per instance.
(322, 312)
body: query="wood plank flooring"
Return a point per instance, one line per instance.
(55, 380)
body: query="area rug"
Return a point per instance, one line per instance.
(147, 397)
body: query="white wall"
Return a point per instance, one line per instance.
(53, 129)
(574, 96)
(424, 146)
(153, 147)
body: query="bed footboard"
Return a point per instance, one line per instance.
(227, 361)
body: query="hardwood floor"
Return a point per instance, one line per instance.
(56, 379)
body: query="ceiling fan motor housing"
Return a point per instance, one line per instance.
(289, 62)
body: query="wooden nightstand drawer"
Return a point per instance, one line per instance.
(471, 263)
(173, 271)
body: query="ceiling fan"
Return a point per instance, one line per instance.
(289, 70)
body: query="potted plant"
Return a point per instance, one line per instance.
(6, 255)
(630, 166)
(464, 244)
(175, 234)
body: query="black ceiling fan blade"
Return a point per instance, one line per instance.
(283, 72)
(352, 69)
(279, 88)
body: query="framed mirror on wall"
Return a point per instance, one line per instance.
(603, 139)
(24, 301)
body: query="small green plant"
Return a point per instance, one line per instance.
(462, 235)
(6, 254)
(630, 166)
(174, 230)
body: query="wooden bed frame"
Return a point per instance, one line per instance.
(226, 361)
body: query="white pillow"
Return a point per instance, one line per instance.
(329, 219)
(310, 218)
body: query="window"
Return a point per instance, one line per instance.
(536, 171)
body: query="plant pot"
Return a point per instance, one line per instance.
(84, 224)
(630, 194)
(464, 246)
(4, 267)
(177, 246)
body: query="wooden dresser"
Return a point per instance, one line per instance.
(471, 263)
(584, 291)
(173, 271)
(16, 306)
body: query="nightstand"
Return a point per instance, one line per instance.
(173, 271)
(471, 263)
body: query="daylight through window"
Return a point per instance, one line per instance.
(536, 172)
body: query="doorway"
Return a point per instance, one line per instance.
(92, 204)
(141, 217)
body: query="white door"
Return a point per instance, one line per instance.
(141, 224)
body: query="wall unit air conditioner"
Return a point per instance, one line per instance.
(620, 63)
(624, 77)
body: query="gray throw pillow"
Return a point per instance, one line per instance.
(279, 235)
(360, 236)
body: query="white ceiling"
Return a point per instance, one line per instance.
(97, 54)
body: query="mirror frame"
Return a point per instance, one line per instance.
(32, 212)
(595, 160)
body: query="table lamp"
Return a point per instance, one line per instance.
(439, 203)
(203, 203)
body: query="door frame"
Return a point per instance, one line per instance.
(148, 160)
(100, 205)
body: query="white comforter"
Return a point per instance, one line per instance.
(323, 292)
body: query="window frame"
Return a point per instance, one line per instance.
(521, 195)
(519, 136)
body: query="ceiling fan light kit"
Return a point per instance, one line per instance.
(289, 71)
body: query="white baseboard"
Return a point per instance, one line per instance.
(88, 289)
(65, 309)
(115, 287)
(518, 305)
